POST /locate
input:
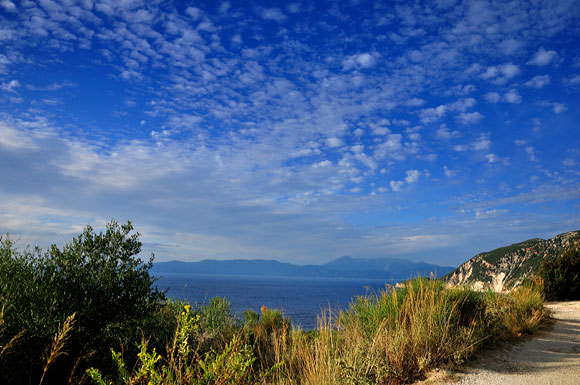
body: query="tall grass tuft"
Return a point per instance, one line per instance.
(56, 349)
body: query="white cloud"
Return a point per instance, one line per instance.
(512, 96)
(509, 70)
(558, 108)
(531, 151)
(8, 5)
(412, 176)
(462, 105)
(490, 72)
(449, 173)
(10, 86)
(429, 115)
(462, 90)
(481, 143)
(293, 7)
(492, 97)
(543, 57)
(510, 46)
(334, 142)
(469, 117)
(538, 81)
(13, 139)
(501, 74)
(574, 80)
(491, 158)
(274, 14)
(363, 60)
(482, 213)
(396, 185)
(414, 102)
(444, 133)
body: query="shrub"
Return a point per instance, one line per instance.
(98, 277)
(561, 276)
(184, 363)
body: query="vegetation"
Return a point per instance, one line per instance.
(98, 279)
(561, 276)
(90, 313)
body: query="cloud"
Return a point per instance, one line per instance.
(363, 60)
(462, 90)
(558, 108)
(429, 115)
(396, 185)
(482, 143)
(8, 5)
(259, 130)
(491, 158)
(334, 142)
(512, 96)
(10, 86)
(414, 102)
(444, 133)
(469, 117)
(573, 81)
(538, 81)
(412, 177)
(500, 74)
(274, 14)
(510, 46)
(543, 57)
(482, 213)
(462, 105)
(449, 173)
(531, 151)
(492, 97)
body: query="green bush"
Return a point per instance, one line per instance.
(98, 277)
(561, 276)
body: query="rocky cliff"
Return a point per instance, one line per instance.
(505, 268)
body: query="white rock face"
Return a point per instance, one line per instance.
(506, 268)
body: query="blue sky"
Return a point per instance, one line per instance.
(300, 131)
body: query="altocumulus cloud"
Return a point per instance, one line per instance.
(300, 132)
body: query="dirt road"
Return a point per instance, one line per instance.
(551, 356)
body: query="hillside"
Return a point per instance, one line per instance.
(507, 267)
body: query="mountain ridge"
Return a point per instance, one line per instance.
(391, 269)
(507, 267)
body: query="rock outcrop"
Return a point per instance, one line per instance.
(505, 268)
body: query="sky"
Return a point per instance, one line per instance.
(298, 131)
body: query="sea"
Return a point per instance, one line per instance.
(302, 299)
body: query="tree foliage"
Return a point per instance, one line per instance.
(561, 276)
(97, 276)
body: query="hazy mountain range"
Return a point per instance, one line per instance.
(343, 267)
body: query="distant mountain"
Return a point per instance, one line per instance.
(230, 267)
(506, 267)
(393, 268)
(343, 267)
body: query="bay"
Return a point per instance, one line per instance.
(301, 299)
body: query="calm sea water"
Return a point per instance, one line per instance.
(301, 299)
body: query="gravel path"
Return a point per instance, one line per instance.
(551, 356)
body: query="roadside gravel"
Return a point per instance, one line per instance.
(550, 356)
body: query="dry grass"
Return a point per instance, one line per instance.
(394, 337)
(398, 337)
(7, 347)
(56, 349)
